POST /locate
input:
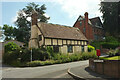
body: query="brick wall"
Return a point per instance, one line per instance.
(108, 67)
(89, 31)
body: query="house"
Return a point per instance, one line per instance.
(2, 44)
(63, 39)
(91, 28)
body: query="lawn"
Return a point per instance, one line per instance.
(111, 58)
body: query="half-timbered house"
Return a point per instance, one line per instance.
(63, 39)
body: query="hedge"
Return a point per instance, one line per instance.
(63, 59)
(110, 45)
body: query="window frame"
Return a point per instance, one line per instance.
(40, 37)
(70, 49)
(82, 48)
(80, 23)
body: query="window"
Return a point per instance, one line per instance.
(56, 49)
(70, 49)
(84, 29)
(82, 48)
(80, 23)
(40, 37)
(95, 37)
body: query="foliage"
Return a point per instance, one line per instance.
(8, 32)
(111, 58)
(110, 45)
(96, 44)
(110, 39)
(10, 57)
(111, 18)
(113, 52)
(87, 55)
(50, 51)
(109, 42)
(63, 58)
(90, 48)
(43, 56)
(25, 55)
(11, 46)
(40, 54)
(24, 25)
(40, 63)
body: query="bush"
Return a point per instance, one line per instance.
(25, 55)
(87, 55)
(40, 63)
(40, 54)
(12, 53)
(110, 45)
(50, 51)
(11, 46)
(113, 52)
(96, 44)
(90, 48)
(111, 39)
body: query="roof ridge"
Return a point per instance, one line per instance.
(95, 17)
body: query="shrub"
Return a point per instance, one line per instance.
(110, 39)
(25, 55)
(87, 55)
(110, 45)
(50, 51)
(11, 46)
(90, 48)
(10, 56)
(96, 44)
(113, 52)
(40, 63)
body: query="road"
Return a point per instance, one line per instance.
(51, 71)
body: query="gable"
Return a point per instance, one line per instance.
(96, 22)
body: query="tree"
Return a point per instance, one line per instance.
(111, 18)
(23, 21)
(8, 32)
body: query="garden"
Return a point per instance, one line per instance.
(112, 45)
(21, 56)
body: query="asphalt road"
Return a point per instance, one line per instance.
(51, 71)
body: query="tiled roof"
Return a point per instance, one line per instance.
(96, 20)
(59, 31)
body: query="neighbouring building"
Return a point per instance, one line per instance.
(2, 44)
(91, 28)
(63, 39)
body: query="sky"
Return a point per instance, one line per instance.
(63, 12)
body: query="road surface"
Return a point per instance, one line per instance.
(51, 71)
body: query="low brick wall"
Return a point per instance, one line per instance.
(107, 67)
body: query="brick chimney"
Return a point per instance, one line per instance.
(86, 25)
(34, 17)
(34, 30)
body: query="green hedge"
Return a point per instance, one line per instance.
(63, 58)
(110, 45)
(11, 46)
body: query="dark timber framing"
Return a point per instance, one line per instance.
(67, 42)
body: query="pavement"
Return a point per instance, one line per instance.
(85, 73)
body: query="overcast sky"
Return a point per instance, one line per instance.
(64, 12)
